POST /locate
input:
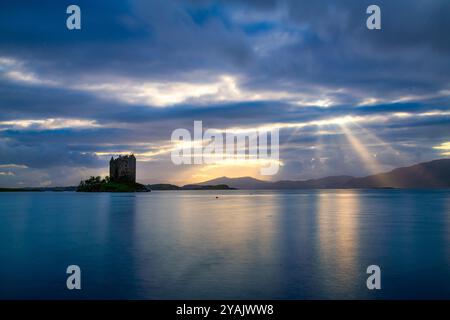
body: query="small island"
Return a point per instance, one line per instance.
(97, 184)
(122, 178)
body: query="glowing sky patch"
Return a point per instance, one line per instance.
(444, 147)
(48, 124)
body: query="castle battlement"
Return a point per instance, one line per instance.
(123, 168)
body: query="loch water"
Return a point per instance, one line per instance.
(230, 244)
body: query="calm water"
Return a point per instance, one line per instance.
(259, 245)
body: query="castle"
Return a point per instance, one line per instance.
(123, 169)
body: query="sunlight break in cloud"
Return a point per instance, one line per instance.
(220, 88)
(13, 166)
(14, 70)
(445, 147)
(48, 124)
(7, 173)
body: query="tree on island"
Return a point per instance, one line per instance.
(97, 184)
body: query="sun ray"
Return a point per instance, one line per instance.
(380, 142)
(368, 159)
(361, 150)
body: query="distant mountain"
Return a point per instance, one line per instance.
(206, 187)
(433, 174)
(252, 183)
(164, 186)
(239, 183)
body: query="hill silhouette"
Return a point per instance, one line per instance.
(432, 174)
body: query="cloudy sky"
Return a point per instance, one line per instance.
(347, 100)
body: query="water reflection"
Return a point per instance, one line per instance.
(337, 220)
(236, 244)
(201, 241)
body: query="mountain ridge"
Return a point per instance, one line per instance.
(431, 174)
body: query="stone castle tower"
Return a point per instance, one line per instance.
(123, 168)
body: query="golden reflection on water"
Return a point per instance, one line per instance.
(235, 224)
(337, 219)
(225, 235)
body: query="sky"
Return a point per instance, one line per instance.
(346, 100)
